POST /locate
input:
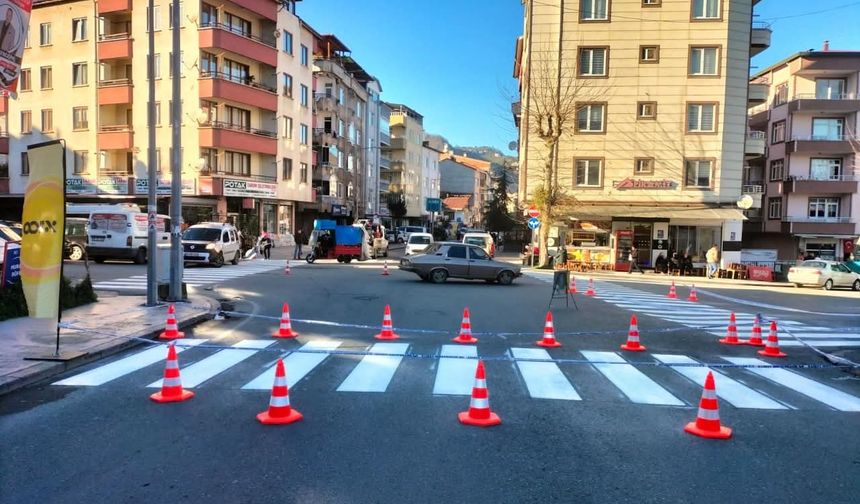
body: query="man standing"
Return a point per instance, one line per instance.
(713, 257)
(297, 251)
(634, 261)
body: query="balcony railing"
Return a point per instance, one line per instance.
(115, 82)
(114, 128)
(756, 135)
(833, 178)
(237, 31)
(814, 96)
(104, 37)
(752, 189)
(246, 81)
(824, 138)
(238, 127)
(826, 220)
(223, 172)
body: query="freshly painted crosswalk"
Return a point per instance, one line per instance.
(456, 373)
(543, 379)
(209, 367)
(200, 275)
(633, 383)
(374, 372)
(298, 364)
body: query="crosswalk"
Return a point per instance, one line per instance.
(535, 373)
(200, 275)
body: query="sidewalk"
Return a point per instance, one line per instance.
(108, 324)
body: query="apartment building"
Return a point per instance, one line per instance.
(373, 148)
(406, 152)
(85, 80)
(464, 187)
(384, 161)
(655, 143)
(805, 169)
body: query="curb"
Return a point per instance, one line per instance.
(666, 280)
(106, 350)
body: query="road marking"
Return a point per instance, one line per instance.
(124, 366)
(637, 386)
(810, 388)
(820, 343)
(736, 394)
(374, 372)
(199, 372)
(543, 379)
(455, 376)
(297, 365)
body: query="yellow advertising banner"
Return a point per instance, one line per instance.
(44, 224)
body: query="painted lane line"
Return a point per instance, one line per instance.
(124, 366)
(456, 376)
(810, 336)
(199, 372)
(822, 393)
(632, 382)
(733, 392)
(821, 343)
(543, 379)
(297, 365)
(374, 372)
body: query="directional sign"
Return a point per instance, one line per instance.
(534, 212)
(534, 223)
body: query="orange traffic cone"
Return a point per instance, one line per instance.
(385, 268)
(387, 329)
(285, 330)
(171, 385)
(672, 294)
(755, 334)
(479, 413)
(287, 269)
(279, 412)
(572, 289)
(465, 330)
(693, 296)
(171, 329)
(632, 344)
(590, 290)
(707, 422)
(731, 332)
(771, 348)
(548, 340)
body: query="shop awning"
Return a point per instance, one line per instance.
(699, 213)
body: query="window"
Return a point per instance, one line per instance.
(288, 85)
(303, 173)
(287, 169)
(79, 29)
(823, 208)
(588, 172)
(181, 15)
(237, 25)
(157, 113)
(156, 14)
(340, 126)
(288, 127)
(701, 117)
(829, 89)
(237, 162)
(774, 208)
(46, 74)
(24, 81)
(651, 3)
(303, 95)
(26, 122)
(457, 251)
(156, 67)
(170, 111)
(706, 9)
(697, 173)
(777, 132)
(827, 129)
(157, 160)
(237, 117)
(825, 169)
(181, 64)
(45, 34)
(592, 61)
(47, 120)
(303, 134)
(704, 61)
(288, 42)
(646, 110)
(649, 54)
(304, 55)
(777, 170)
(594, 10)
(81, 158)
(25, 164)
(208, 64)
(79, 74)
(780, 95)
(237, 72)
(589, 118)
(643, 166)
(210, 160)
(208, 15)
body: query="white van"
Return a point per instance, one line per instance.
(120, 232)
(417, 242)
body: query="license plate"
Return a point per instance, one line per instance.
(98, 238)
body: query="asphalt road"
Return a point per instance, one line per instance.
(109, 443)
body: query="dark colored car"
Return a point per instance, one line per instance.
(76, 239)
(443, 260)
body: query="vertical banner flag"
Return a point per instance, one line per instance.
(44, 225)
(14, 21)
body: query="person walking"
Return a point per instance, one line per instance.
(634, 261)
(297, 251)
(266, 245)
(713, 257)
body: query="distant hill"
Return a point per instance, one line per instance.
(490, 154)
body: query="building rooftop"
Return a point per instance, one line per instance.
(457, 202)
(827, 53)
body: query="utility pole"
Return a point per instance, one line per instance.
(176, 161)
(152, 210)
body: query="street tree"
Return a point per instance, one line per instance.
(496, 210)
(396, 205)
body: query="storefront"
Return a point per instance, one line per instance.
(834, 248)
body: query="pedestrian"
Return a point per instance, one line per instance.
(712, 256)
(297, 251)
(661, 265)
(633, 257)
(266, 245)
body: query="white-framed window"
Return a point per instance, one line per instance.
(643, 166)
(706, 9)
(79, 29)
(594, 10)
(45, 34)
(823, 208)
(80, 119)
(181, 15)
(649, 54)
(79, 74)
(590, 118)
(156, 21)
(701, 117)
(697, 173)
(303, 134)
(24, 81)
(777, 170)
(46, 75)
(181, 64)
(704, 61)
(825, 128)
(646, 110)
(592, 61)
(81, 159)
(288, 85)
(288, 42)
(777, 132)
(47, 120)
(588, 173)
(303, 173)
(829, 89)
(651, 3)
(287, 169)
(288, 128)
(156, 66)
(303, 95)
(825, 169)
(774, 208)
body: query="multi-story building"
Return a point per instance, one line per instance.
(655, 96)
(85, 80)
(431, 179)
(406, 152)
(805, 168)
(372, 146)
(384, 161)
(464, 185)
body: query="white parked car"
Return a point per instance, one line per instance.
(211, 243)
(417, 242)
(821, 273)
(483, 240)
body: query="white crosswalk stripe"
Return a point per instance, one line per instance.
(297, 365)
(201, 275)
(633, 383)
(543, 379)
(199, 372)
(454, 375)
(374, 372)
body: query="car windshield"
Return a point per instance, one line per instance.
(419, 240)
(814, 264)
(201, 234)
(475, 240)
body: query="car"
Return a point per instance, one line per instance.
(444, 260)
(403, 232)
(822, 273)
(211, 243)
(483, 240)
(75, 243)
(418, 242)
(121, 232)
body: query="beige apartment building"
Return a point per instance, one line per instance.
(406, 152)
(246, 81)
(654, 151)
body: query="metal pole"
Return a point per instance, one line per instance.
(152, 239)
(176, 162)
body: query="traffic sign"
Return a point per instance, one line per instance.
(534, 212)
(534, 223)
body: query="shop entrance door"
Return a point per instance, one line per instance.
(642, 241)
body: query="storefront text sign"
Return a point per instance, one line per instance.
(141, 186)
(81, 185)
(113, 185)
(632, 183)
(249, 188)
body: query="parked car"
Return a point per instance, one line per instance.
(211, 243)
(418, 242)
(443, 260)
(120, 232)
(75, 242)
(483, 240)
(403, 232)
(821, 273)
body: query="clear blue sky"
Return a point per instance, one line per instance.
(452, 60)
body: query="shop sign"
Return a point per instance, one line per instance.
(338, 210)
(632, 183)
(113, 185)
(141, 186)
(249, 188)
(80, 185)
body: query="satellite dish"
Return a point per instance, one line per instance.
(746, 202)
(512, 145)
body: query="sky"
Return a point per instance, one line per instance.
(452, 60)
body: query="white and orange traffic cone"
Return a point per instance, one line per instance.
(465, 335)
(387, 328)
(731, 332)
(693, 296)
(285, 329)
(632, 344)
(479, 413)
(548, 340)
(707, 424)
(385, 268)
(280, 412)
(771, 348)
(672, 294)
(171, 328)
(590, 290)
(572, 289)
(287, 269)
(755, 334)
(171, 385)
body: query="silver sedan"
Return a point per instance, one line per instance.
(443, 260)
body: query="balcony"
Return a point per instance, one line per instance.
(325, 102)
(398, 143)
(384, 139)
(111, 6)
(221, 135)
(219, 172)
(760, 38)
(263, 8)
(758, 94)
(384, 185)
(115, 92)
(115, 137)
(398, 165)
(219, 36)
(819, 226)
(116, 46)
(324, 137)
(838, 104)
(754, 191)
(843, 184)
(4, 144)
(516, 110)
(384, 162)
(755, 145)
(821, 145)
(227, 87)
